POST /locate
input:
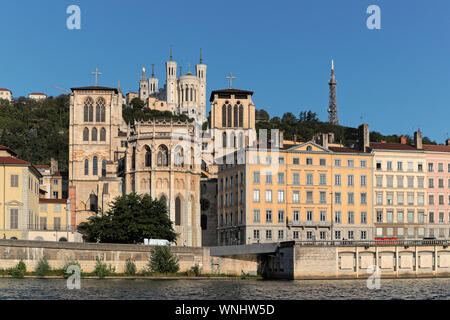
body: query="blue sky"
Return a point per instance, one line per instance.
(397, 78)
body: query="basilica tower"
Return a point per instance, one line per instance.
(171, 82)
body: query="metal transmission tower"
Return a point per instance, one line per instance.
(332, 108)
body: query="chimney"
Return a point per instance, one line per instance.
(403, 140)
(363, 137)
(53, 165)
(281, 139)
(418, 139)
(447, 142)
(325, 140)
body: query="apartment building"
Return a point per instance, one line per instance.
(299, 192)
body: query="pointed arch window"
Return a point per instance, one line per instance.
(230, 116)
(232, 140)
(163, 199)
(163, 156)
(133, 159)
(95, 166)
(103, 168)
(241, 116)
(178, 211)
(224, 140)
(86, 167)
(102, 134)
(241, 140)
(235, 123)
(100, 110)
(94, 134)
(224, 116)
(148, 157)
(89, 109)
(85, 134)
(179, 157)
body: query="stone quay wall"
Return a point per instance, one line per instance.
(58, 253)
(359, 261)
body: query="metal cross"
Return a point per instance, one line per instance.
(231, 80)
(96, 76)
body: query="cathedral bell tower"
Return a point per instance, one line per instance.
(171, 82)
(143, 86)
(153, 83)
(200, 70)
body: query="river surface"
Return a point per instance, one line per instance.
(233, 289)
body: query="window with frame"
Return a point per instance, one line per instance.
(337, 235)
(268, 177)
(256, 177)
(280, 234)
(14, 181)
(323, 216)
(350, 180)
(280, 216)
(269, 196)
(295, 235)
(323, 179)
(268, 234)
(14, 218)
(296, 215)
(268, 215)
(350, 198)
(337, 198)
(363, 163)
(337, 179)
(309, 161)
(280, 178)
(350, 217)
(337, 216)
(322, 162)
(309, 179)
(280, 196)
(380, 216)
(256, 215)
(363, 179)
(363, 216)
(337, 162)
(296, 160)
(255, 234)
(256, 197)
(296, 179)
(309, 215)
(363, 198)
(309, 197)
(296, 196)
(350, 163)
(323, 197)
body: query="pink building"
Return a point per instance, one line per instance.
(438, 190)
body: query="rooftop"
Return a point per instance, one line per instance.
(223, 93)
(95, 88)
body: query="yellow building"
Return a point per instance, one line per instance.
(19, 195)
(51, 181)
(294, 192)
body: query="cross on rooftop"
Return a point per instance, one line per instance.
(96, 76)
(230, 77)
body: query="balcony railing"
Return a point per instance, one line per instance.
(372, 243)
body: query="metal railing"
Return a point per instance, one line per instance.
(372, 243)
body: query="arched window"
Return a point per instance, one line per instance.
(102, 134)
(95, 166)
(191, 95)
(133, 159)
(179, 157)
(187, 92)
(241, 140)
(86, 167)
(163, 199)
(178, 211)
(100, 110)
(85, 134)
(163, 156)
(224, 116)
(232, 140)
(235, 116)
(94, 134)
(148, 157)
(224, 139)
(230, 116)
(88, 109)
(241, 116)
(103, 168)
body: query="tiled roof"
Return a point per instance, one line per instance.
(95, 88)
(7, 149)
(38, 93)
(345, 150)
(391, 146)
(438, 148)
(42, 166)
(3, 89)
(42, 200)
(12, 160)
(229, 92)
(57, 174)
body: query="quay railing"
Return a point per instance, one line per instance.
(373, 243)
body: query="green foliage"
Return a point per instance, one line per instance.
(18, 271)
(196, 270)
(131, 219)
(138, 112)
(304, 127)
(163, 261)
(68, 264)
(43, 267)
(37, 130)
(130, 267)
(102, 270)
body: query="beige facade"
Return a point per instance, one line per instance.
(161, 162)
(37, 96)
(5, 94)
(51, 181)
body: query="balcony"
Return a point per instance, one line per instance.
(308, 223)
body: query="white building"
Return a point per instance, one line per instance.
(5, 94)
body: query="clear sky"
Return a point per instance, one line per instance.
(396, 78)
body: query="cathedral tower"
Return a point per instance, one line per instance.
(143, 86)
(171, 82)
(153, 83)
(200, 70)
(332, 108)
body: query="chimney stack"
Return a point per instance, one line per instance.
(418, 139)
(403, 140)
(53, 165)
(364, 137)
(325, 140)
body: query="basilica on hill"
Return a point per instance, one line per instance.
(169, 160)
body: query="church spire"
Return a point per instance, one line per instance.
(332, 108)
(153, 70)
(171, 57)
(201, 59)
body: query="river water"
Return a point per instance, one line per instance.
(234, 289)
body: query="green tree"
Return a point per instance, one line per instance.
(163, 261)
(131, 218)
